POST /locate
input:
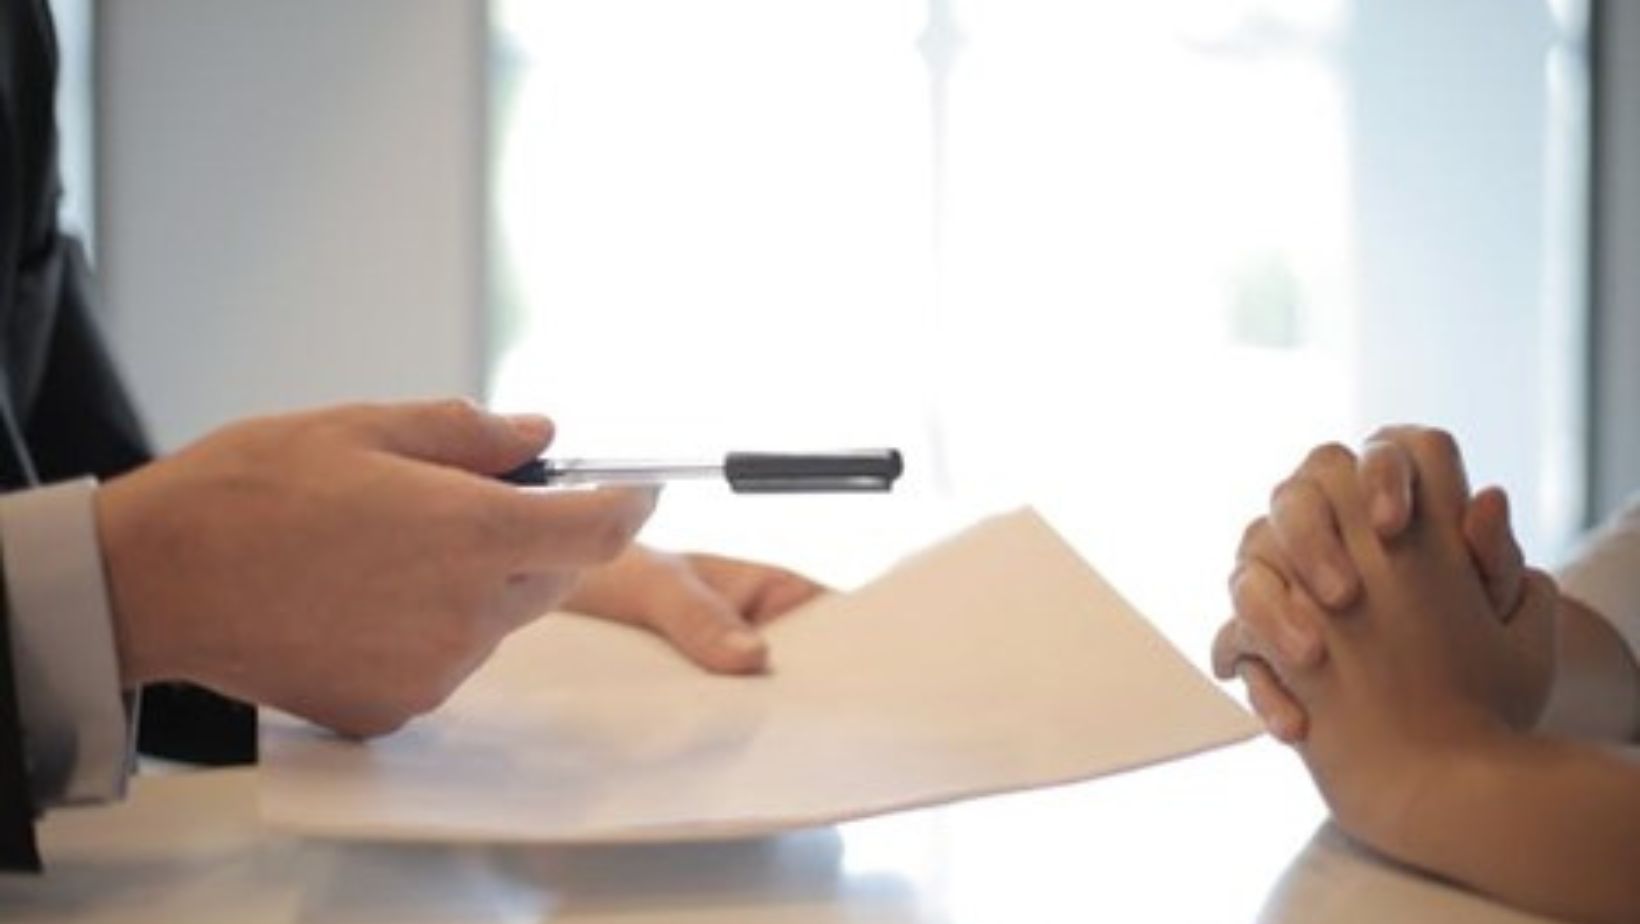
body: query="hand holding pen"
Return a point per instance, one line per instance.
(867, 470)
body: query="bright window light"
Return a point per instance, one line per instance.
(1114, 260)
(1123, 261)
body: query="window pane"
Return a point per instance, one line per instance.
(1122, 261)
(715, 215)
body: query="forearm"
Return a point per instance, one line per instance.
(1597, 687)
(1547, 824)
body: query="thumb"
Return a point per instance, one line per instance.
(1494, 550)
(1532, 633)
(706, 629)
(460, 434)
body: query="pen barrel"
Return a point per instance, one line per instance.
(607, 472)
(746, 472)
(773, 473)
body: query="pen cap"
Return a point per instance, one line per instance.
(770, 472)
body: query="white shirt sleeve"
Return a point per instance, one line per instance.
(1605, 573)
(77, 733)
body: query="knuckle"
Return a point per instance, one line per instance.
(1253, 538)
(1299, 507)
(1391, 433)
(1382, 460)
(1243, 589)
(1437, 442)
(1382, 434)
(1328, 456)
(1254, 615)
(460, 411)
(1232, 583)
(355, 420)
(1303, 525)
(1308, 649)
(1282, 488)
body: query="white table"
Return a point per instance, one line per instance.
(1228, 836)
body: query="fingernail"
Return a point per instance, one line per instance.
(1383, 511)
(743, 642)
(1283, 728)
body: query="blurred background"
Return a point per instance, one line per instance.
(1122, 261)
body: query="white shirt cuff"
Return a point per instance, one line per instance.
(1605, 574)
(77, 735)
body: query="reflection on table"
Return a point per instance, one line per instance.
(1227, 836)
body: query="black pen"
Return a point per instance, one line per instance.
(746, 472)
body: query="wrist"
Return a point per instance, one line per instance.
(1423, 807)
(142, 657)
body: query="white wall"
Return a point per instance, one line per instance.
(1469, 206)
(291, 202)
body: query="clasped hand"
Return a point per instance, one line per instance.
(1384, 616)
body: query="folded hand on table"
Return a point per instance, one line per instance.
(1300, 540)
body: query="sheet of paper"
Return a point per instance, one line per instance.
(994, 661)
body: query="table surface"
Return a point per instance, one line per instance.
(1234, 835)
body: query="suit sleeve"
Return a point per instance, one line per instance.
(82, 421)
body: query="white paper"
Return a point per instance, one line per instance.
(995, 661)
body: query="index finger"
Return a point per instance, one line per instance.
(1388, 476)
(1441, 485)
(1492, 545)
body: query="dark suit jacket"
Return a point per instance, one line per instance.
(63, 409)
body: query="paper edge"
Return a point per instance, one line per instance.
(770, 826)
(774, 825)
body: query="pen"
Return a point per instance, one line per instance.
(746, 472)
